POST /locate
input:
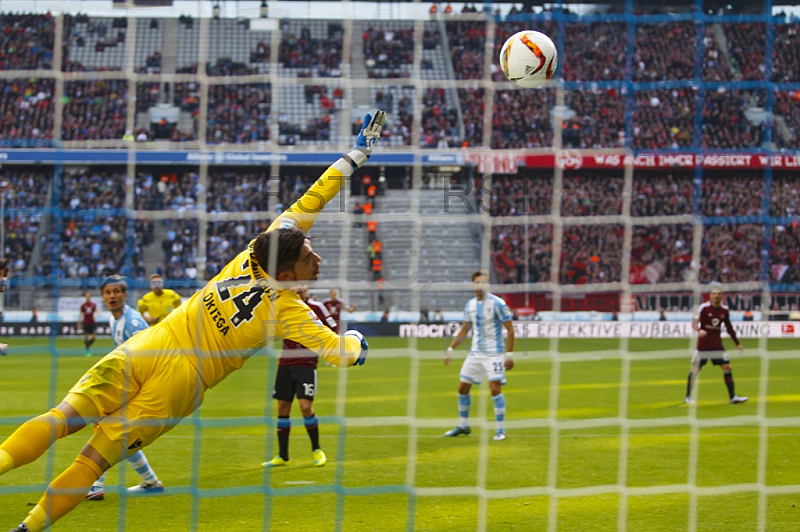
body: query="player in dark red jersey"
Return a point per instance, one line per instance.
(335, 305)
(87, 322)
(297, 375)
(708, 323)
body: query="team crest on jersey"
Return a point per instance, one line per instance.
(314, 317)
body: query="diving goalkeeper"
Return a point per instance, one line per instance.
(146, 386)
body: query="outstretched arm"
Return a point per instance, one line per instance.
(306, 209)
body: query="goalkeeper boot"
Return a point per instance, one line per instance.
(466, 431)
(21, 528)
(147, 487)
(275, 462)
(499, 436)
(319, 458)
(95, 493)
(736, 399)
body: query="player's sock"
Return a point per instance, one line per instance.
(690, 384)
(89, 342)
(499, 412)
(140, 464)
(464, 403)
(65, 493)
(313, 430)
(284, 426)
(729, 383)
(32, 439)
(100, 482)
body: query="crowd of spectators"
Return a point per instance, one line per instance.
(661, 253)
(715, 64)
(785, 195)
(389, 52)
(663, 118)
(731, 253)
(237, 191)
(439, 121)
(599, 120)
(26, 41)
(152, 64)
(665, 51)
(238, 114)
(20, 241)
(167, 190)
(726, 194)
(592, 193)
(472, 107)
(401, 113)
(467, 48)
(660, 193)
(227, 239)
(725, 125)
(315, 129)
(26, 111)
(89, 247)
(591, 254)
(522, 254)
(784, 254)
(94, 110)
(596, 51)
(305, 51)
(786, 54)
(224, 66)
(787, 106)
(147, 94)
(747, 50)
(431, 38)
(292, 185)
(530, 193)
(25, 192)
(521, 119)
(180, 249)
(94, 188)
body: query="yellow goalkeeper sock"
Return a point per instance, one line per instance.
(32, 439)
(64, 493)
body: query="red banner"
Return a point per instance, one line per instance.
(575, 160)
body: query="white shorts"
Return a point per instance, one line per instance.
(476, 366)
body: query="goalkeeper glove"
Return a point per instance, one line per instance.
(364, 347)
(367, 137)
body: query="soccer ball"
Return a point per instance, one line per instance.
(529, 59)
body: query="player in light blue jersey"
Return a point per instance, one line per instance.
(487, 315)
(127, 322)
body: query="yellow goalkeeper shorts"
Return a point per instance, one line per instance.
(141, 390)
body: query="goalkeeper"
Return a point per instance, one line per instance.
(146, 386)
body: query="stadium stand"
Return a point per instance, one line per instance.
(28, 41)
(26, 111)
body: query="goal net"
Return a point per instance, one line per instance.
(660, 163)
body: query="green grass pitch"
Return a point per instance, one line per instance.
(371, 461)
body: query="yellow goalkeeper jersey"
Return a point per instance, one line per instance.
(242, 309)
(159, 306)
